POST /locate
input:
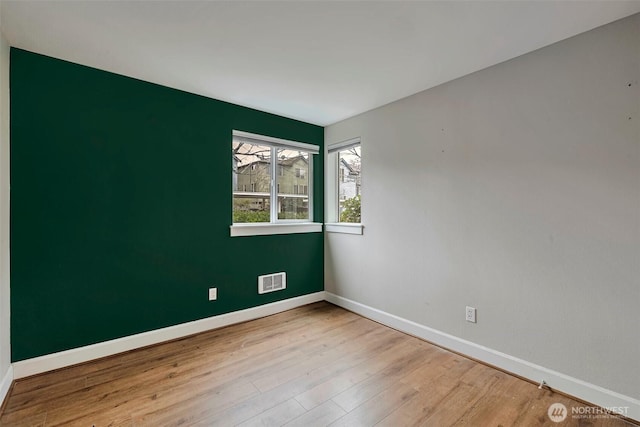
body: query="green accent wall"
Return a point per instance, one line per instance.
(121, 204)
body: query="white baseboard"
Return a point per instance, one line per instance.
(555, 380)
(5, 384)
(37, 365)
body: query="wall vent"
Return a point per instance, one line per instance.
(272, 282)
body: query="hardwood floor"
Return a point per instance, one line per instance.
(312, 366)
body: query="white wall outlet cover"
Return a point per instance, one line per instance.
(470, 314)
(213, 294)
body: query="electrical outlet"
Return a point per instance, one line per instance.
(471, 314)
(213, 294)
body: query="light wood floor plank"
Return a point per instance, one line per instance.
(355, 396)
(347, 379)
(277, 416)
(378, 407)
(321, 415)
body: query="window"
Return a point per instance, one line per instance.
(279, 175)
(349, 186)
(300, 189)
(344, 180)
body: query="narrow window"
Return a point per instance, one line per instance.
(346, 159)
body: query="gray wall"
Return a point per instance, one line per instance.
(5, 356)
(516, 190)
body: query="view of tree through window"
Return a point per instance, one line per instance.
(349, 184)
(252, 183)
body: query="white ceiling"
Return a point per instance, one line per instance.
(320, 62)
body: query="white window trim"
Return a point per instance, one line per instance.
(332, 189)
(344, 227)
(278, 226)
(269, 228)
(253, 138)
(342, 145)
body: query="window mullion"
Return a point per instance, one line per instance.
(310, 187)
(336, 188)
(274, 188)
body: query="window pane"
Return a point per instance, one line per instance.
(349, 184)
(293, 184)
(251, 182)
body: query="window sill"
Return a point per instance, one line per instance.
(344, 227)
(265, 229)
